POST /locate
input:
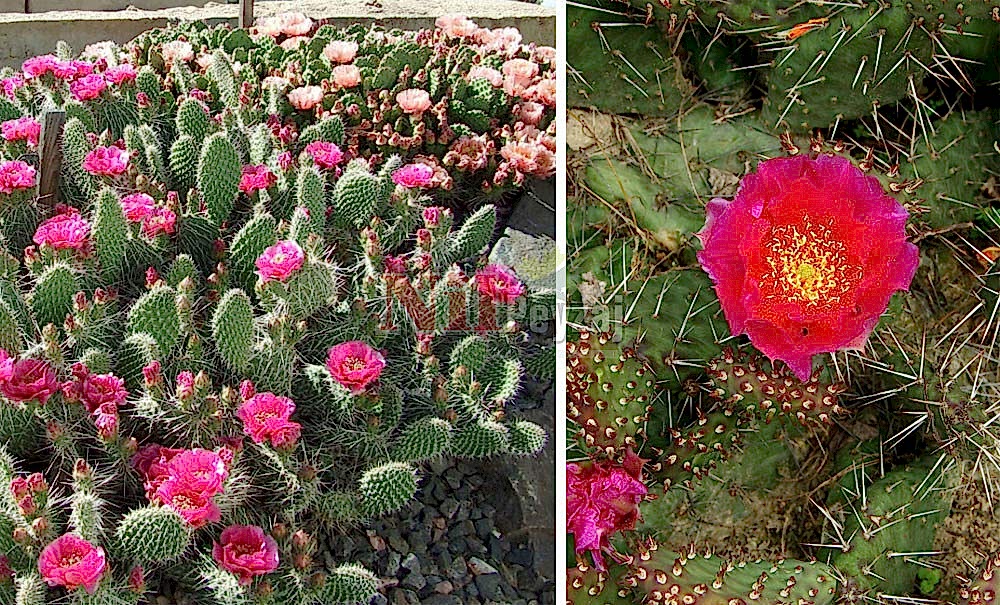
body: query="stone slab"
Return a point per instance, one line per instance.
(42, 6)
(11, 6)
(26, 35)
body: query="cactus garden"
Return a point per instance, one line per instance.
(246, 298)
(782, 376)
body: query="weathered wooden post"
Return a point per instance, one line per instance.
(50, 156)
(246, 13)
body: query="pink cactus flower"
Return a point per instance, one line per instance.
(265, 417)
(280, 261)
(493, 76)
(326, 155)
(456, 26)
(137, 206)
(286, 160)
(346, 76)
(414, 175)
(106, 420)
(121, 73)
(185, 385)
(498, 284)
(95, 390)
(544, 92)
(6, 366)
(340, 51)
(354, 365)
(25, 129)
(159, 221)
(38, 66)
(88, 88)
(602, 498)
(432, 216)
(65, 231)
(106, 161)
(295, 24)
(529, 157)
(6, 571)
(520, 73)
(30, 380)
(806, 257)
(16, 175)
(11, 85)
(175, 51)
(414, 101)
(305, 98)
(293, 43)
(530, 112)
(255, 178)
(153, 462)
(72, 562)
(246, 551)
(505, 40)
(195, 506)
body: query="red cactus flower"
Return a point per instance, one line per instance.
(354, 365)
(602, 498)
(806, 257)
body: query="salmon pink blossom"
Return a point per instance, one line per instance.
(120, 73)
(806, 257)
(305, 97)
(72, 562)
(246, 551)
(137, 206)
(295, 24)
(160, 220)
(414, 101)
(354, 365)
(178, 50)
(346, 76)
(456, 26)
(280, 261)
(340, 51)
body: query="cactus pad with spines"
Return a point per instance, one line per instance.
(609, 393)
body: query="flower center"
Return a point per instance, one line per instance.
(70, 559)
(278, 257)
(354, 364)
(808, 265)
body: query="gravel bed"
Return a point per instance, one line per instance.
(446, 547)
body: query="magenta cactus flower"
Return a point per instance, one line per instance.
(414, 175)
(280, 261)
(106, 161)
(25, 129)
(498, 284)
(16, 175)
(30, 380)
(325, 155)
(246, 551)
(602, 498)
(88, 88)
(256, 177)
(66, 231)
(72, 562)
(265, 417)
(806, 257)
(354, 365)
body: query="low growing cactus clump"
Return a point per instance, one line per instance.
(238, 320)
(783, 302)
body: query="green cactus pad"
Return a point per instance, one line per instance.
(688, 577)
(350, 583)
(155, 313)
(588, 586)
(52, 298)
(219, 171)
(608, 393)
(387, 488)
(232, 328)
(111, 233)
(748, 381)
(424, 439)
(480, 439)
(527, 438)
(152, 534)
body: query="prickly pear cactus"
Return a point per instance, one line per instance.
(244, 318)
(875, 455)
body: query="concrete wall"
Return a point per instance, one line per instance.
(27, 35)
(41, 6)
